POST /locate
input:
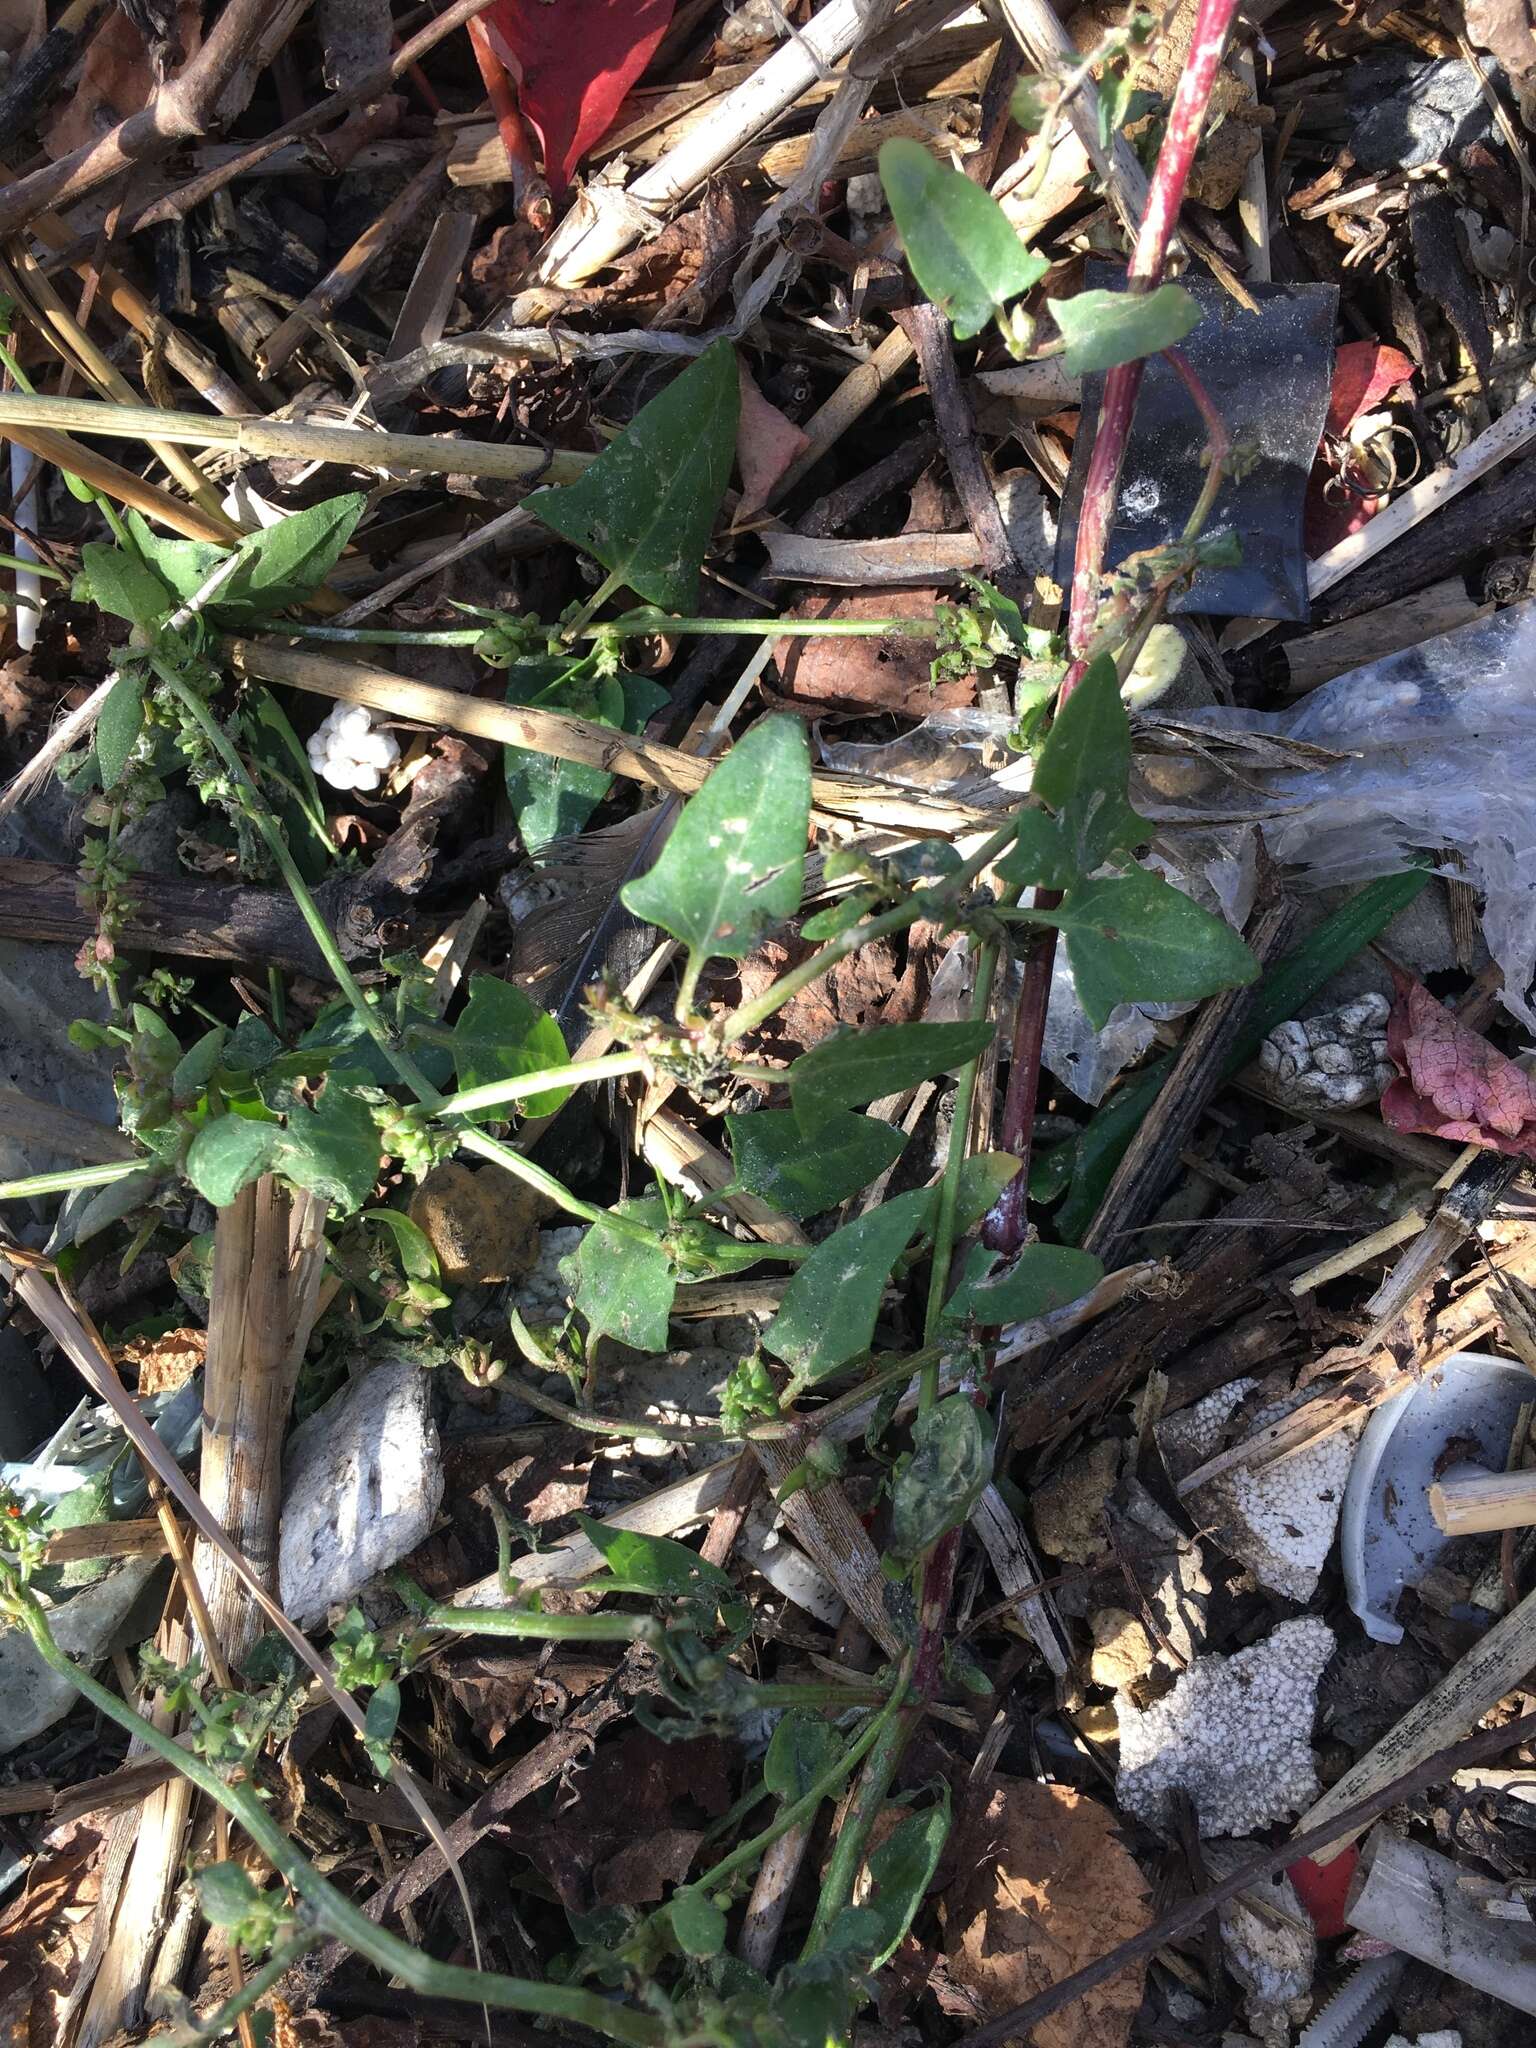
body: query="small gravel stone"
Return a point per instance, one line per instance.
(1069, 1509)
(1123, 1651)
(1336, 1061)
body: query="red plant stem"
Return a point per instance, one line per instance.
(1006, 1225)
(1164, 198)
(530, 193)
(938, 1585)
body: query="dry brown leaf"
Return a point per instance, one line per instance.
(633, 1820)
(639, 1874)
(1507, 28)
(44, 1932)
(1046, 1888)
(166, 1362)
(887, 674)
(23, 24)
(116, 80)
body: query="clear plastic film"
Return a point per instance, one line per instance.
(1440, 747)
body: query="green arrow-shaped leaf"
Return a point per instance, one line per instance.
(646, 505)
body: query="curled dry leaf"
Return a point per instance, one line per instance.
(166, 1362)
(1046, 1888)
(1454, 1083)
(1364, 373)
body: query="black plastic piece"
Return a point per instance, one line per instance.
(1269, 375)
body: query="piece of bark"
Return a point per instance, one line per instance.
(825, 1526)
(872, 564)
(247, 1389)
(39, 901)
(1432, 1331)
(1316, 658)
(155, 1834)
(1223, 1276)
(928, 331)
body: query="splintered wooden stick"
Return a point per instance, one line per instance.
(569, 738)
(1473, 1504)
(246, 1392)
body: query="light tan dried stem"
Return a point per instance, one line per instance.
(32, 287)
(567, 738)
(286, 440)
(247, 1392)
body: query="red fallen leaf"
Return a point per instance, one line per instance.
(1455, 1084)
(1363, 373)
(573, 63)
(766, 444)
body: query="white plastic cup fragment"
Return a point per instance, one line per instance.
(1475, 1931)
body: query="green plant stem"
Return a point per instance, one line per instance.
(70, 1177)
(252, 1991)
(335, 1915)
(748, 1852)
(949, 1187)
(518, 1087)
(610, 584)
(33, 568)
(554, 1628)
(853, 1836)
(779, 629)
(287, 867)
(929, 902)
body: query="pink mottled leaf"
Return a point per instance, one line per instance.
(1454, 1083)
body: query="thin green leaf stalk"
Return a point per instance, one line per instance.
(333, 1914)
(609, 587)
(954, 1160)
(748, 1853)
(630, 627)
(252, 1991)
(776, 628)
(935, 1572)
(527, 1622)
(33, 568)
(68, 1178)
(518, 1087)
